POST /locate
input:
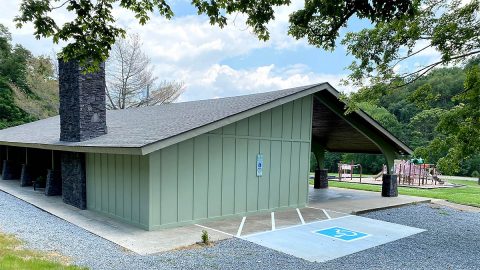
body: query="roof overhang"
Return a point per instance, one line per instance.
(359, 123)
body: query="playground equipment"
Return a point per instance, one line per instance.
(381, 173)
(415, 171)
(346, 170)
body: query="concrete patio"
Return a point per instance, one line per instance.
(356, 201)
(323, 205)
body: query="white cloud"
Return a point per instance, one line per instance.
(189, 49)
(222, 80)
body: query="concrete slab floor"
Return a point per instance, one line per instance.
(356, 201)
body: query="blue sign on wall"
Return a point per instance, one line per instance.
(342, 233)
(259, 165)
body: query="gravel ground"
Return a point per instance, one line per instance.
(450, 242)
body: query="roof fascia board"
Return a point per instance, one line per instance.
(81, 149)
(231, 119)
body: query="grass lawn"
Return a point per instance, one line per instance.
(12, 256)
(467, 195)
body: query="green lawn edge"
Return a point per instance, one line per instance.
(467, 194)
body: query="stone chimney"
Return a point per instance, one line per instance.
(82, 102)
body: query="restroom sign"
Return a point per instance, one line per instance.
(259, 165)
(342, 234)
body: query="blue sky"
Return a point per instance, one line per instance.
(216, 62)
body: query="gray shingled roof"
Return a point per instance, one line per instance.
(139, 127)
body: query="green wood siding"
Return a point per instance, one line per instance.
(118, 185)
(211, 175)
(214, 174)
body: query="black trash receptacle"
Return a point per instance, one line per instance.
(321, 179)
(389, 185)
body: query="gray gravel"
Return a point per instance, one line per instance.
(452, 241)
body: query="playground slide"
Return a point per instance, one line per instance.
(378, 175)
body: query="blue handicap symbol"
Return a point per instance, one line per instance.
(341, 233)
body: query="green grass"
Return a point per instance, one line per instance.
(467, 195)
(13, 257)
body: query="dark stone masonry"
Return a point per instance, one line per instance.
(82, 117)
(74, 180)
(27, 175)
(11, 170)
(389, 185)
(82, 103)
(53, 185)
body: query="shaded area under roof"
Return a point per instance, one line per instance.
(336, 135)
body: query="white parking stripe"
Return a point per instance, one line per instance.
(300, 216)
(294, 226)
(208, 228)
(326, 214)
(273, 221)
(330, 210)
(239, 232)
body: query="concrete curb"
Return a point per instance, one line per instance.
(359, 212)
(456, 206)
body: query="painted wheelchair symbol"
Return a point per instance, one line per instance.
(342, 234)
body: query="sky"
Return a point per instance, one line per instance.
(215, 62)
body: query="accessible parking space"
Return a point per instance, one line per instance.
(269, 221)
(329, 239)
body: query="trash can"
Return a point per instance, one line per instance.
(389, 185)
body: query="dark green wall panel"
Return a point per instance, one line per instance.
(214, 176)
(264, 180)
(241, 157)
(285, 167)
(169, 185)
(275, 165)
(228, 177)
(200, 177)
(118, 185)
(294, 173)
(185, 180)
(252, 179)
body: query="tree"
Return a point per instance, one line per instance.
(447, 26)
(28, 90)
(13, 60)
(93, 31)
(461, 125)
(130, 79)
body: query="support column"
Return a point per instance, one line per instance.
(389, 180)
(319, 152)
(11, 169)
(3, 156)
(321, 174)
(53, 185)
(73, 179)
(27, 175)
(389, 185)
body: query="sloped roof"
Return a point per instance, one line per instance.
(143, 130)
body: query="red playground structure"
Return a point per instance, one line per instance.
(416, 173)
